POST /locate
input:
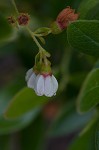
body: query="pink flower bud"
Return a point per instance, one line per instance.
(66, 16)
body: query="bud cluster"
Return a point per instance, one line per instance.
(22, 19)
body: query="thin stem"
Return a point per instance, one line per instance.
(14, 4)
(34, 38)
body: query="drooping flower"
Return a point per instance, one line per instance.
(30, 78)
(65, 17)
(46, 85)
(43, 84)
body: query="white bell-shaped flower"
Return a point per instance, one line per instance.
(46, 85)
(42, 84)
(30, 78)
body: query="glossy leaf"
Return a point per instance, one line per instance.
(84, 36)
(86, 141)
(89, 94)
(8, 126)
(68, 121)
(25, 101)
(97, 137)
(9, 91)
(89, 9)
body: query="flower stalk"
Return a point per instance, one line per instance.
(14, 4)
(34, 38)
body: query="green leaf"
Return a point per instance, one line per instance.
(89, 94)
(86, 140)
(84, 36)
(89, 9)
(97, 138)
(9, 91)
(5, 29)
(8, 126)
(93, 14)
(25, 101)
(68, 121)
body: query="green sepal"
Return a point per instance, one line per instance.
(55, 28)
(46, 69)
(43, 31)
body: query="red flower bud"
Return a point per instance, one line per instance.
(23, 19)
(66, 16)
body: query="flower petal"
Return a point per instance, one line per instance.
(28, 74)
(39, 85)
(31, 81)
(55, 84)
(48, 89)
